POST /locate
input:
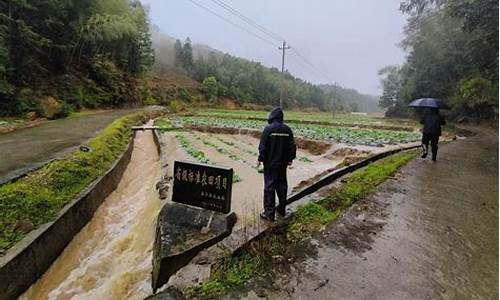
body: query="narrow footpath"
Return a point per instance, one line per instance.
(28, 148)
(431, 232)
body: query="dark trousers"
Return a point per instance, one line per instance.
(433, 139)
(274, 183)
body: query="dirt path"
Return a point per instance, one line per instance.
(429, 233)
(28, 148)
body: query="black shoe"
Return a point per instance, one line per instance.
(267, 218)
(281, 211)
(424, 155)
(434, 159)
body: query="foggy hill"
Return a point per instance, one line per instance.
(163, 45)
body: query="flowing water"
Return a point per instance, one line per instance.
(111, 256)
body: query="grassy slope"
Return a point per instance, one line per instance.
(38, 197)
(257, 259)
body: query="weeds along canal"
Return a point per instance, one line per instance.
(111, 256)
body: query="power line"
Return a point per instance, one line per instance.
(307, 68)
(248, 20)
(310, 64)
(260, 28)
(232, 23)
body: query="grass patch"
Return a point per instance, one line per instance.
(259, 257)
(37, 198)
(165, 124)
(304, 159)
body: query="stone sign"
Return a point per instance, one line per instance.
(203, 186)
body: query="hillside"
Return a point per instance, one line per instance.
(248, 82)
(361, 102)
(57, 56)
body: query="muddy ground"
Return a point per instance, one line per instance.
(431, 232)
(247, 194)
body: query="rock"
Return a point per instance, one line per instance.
(261, 293)
(168, 294)
(163, 187)
(85, 148)
(24, 226)
(463, 120)
(31, 116)
(50, 107)
(179, 239)
(321, 284)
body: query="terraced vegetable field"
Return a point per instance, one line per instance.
(239, 152)
(296, 116)
(346, 135)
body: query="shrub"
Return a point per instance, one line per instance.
(27, 102)
(476, 97)
(211, 88)
(184, 95)
(63, 110)
(176, 106)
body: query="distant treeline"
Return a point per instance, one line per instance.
(74, 53)
(453, 55)
(247, 82)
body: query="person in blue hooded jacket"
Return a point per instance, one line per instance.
(277, 150)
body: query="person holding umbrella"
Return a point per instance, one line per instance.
(432, 122)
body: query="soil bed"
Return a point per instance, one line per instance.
(247, 194)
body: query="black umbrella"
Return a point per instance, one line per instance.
(428, 103)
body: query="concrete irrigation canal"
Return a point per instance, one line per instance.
(111, 257)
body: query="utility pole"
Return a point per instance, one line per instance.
(284, 48)
(333, 99)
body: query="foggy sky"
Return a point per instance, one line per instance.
(349, 40)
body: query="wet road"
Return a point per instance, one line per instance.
(429, 233)
(24, 149)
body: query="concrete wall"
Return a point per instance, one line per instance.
(30, 258)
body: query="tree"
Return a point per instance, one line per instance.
(475, 97)
(391, 86)
(64, 48)
(210, 88)
(187, 55)
(450, 44)
(178, 53)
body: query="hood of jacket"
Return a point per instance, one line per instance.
(275, 115)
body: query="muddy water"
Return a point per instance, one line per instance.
(429, 233)
(27, 148)
(111, 257)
